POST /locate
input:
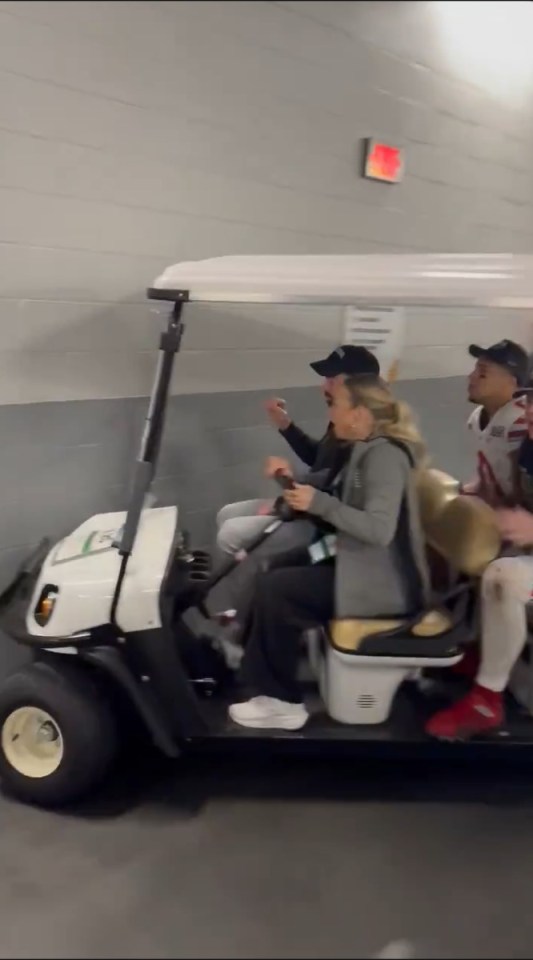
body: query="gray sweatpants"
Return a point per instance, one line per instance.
(238, 525)
(236, 591)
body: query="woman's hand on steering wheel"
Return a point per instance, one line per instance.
(300, 498)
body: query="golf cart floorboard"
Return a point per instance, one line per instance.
(405, 729)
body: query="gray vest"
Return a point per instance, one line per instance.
(378, 578)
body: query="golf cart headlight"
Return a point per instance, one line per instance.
(45, 605)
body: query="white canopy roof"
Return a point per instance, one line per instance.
(492, 280)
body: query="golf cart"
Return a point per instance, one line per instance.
(103, 610)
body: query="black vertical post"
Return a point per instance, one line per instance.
(153, 428)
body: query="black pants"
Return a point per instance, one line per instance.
(286, 602)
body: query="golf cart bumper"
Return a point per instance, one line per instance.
(15, 600)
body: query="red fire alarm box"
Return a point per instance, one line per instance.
(382, 161)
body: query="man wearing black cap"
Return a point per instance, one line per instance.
(239, 524)
(506, 591)
(498, 422)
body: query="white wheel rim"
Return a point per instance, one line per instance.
(32, 742)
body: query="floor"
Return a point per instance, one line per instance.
(218, 859)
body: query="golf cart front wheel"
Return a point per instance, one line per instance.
(58, 735)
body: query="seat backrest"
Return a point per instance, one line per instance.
(461, 529)
(435, 490)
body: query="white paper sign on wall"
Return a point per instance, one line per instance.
(380, 329)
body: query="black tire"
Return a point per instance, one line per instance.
(72, 698)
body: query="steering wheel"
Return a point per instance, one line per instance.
(282, 510)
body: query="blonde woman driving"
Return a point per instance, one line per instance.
(369, 562)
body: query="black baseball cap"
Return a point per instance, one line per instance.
(527, 389)
(507, 354)
(349, 360)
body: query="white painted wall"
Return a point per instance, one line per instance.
(133, 135)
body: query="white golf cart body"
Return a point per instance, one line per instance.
(85, 567)
(112, 569)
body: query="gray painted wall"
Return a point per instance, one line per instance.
(133, 135)
(64, 462)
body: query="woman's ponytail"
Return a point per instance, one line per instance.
(403, 427)
(393, 418)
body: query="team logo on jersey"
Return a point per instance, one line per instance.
(498, 431)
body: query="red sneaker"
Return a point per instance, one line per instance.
(479, 712)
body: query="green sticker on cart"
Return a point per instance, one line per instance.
(97, 541)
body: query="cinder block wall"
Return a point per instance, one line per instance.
(134, 135)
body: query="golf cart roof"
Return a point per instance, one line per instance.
(491, 280)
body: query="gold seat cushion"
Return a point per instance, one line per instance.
(436, 490)
(461, 529)
(348, 634)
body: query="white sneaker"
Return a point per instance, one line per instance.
(267, 713)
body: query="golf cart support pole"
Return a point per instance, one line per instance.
(153, 428)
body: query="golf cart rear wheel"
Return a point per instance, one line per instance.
(58, 735)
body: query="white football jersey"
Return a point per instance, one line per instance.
(496, 442)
